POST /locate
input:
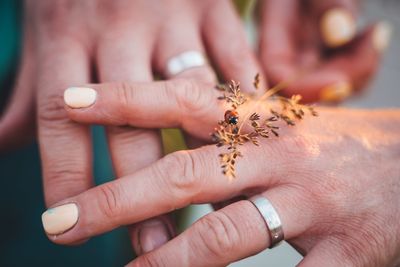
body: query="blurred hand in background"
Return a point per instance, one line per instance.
(316, 46)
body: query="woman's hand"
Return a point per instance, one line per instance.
(316, 43)
(334, 180)
(71, 41)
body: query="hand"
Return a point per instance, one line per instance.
(314, 45)
(334, 181)
(123, 40)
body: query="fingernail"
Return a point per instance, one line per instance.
(152, 235)
(381, 36)
(337, 27)
(336, 92)
(79, 97)
(60, 219)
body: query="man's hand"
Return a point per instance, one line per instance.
(334, 181)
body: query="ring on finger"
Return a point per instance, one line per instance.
(271, 218)
(185, 61)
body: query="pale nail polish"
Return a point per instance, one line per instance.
(152, 235)
(336, 92)
(337, 27)
(60, 219)
(381, 36)
(79, 97)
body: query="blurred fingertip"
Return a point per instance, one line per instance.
(382, 35)
(336, 92)
(338, 27)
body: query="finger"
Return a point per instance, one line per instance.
(190, 41)
(190, 104)
(330, 253)
(17, 125)
(177, 180)
(337, 20)
(203, 74)
(219, 238)
(278, 38)
(133, 58)
(176, 40)
(230, 234)
(345, 71)
(226, 42)
(361, 59)
(65, 146)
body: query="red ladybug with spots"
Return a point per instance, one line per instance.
(231, 117)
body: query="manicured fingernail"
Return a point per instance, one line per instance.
(79, 97)
(381, 36)
(60, 219)
(337, 27)
(152, 235)
(336, 92)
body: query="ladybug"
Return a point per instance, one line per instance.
(231, 117)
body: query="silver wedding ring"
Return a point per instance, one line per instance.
(184, 61)
(271, 219)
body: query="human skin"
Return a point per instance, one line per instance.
(316, 45)
(333, 179)
(291, 46)
(63, 39)
(73, 42)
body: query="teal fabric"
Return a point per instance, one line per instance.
(10, 35)
(22, 240)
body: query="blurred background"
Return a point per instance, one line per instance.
(23, 241)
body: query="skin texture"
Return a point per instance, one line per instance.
(75, 42)
(70, 42)
(333, 179)
(291, 48)
(290, 45)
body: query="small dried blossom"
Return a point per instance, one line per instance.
(256, 82)
(232, 94)
(228, 134)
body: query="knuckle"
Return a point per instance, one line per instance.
(53, 18)
(361, 240)
(352, 252)
(218, 234)
(301, 145)
(345, 250)
(190, 97)
(109, 200)
(125, 94)
(182, 175)
(52, 109)
(149, 260)
(304, 149)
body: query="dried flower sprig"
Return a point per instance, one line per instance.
(229, 133)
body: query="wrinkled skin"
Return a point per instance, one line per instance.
(70, 42)
(333, 179)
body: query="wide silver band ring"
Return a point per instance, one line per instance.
(271, 219)
(184, 61)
